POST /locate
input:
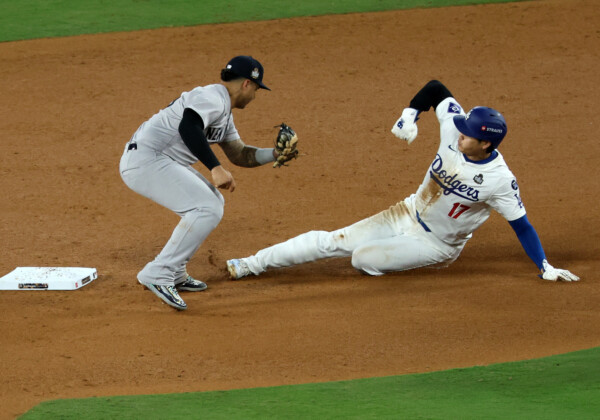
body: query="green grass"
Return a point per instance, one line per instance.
(559, 387)
(26, 19)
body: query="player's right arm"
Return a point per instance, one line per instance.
(191, 129)
(532, 245)
(507, 201)
(429, 96)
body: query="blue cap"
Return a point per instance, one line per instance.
(247, 67)
(482, 123)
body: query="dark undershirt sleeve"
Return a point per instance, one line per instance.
(191, 129)
(429, 96)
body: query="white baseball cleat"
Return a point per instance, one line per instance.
(237, 269)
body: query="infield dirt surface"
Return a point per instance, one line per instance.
(70, 104)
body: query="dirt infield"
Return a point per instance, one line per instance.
(70, 104)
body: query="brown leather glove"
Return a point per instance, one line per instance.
(285, 145)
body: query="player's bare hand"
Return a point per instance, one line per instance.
(554, 274)
(222, 178)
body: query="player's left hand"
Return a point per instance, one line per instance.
(286, 145)
(554, 274)
(406, 126)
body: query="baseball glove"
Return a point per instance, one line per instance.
(285, 145)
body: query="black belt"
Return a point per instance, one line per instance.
(423, 223)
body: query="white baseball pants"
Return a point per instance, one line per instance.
(392, 240)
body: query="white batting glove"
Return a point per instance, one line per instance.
(553, 274)
(406, 127)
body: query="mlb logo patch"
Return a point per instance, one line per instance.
(454, 108)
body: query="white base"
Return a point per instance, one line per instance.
(48, 278)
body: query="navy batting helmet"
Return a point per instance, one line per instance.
(482, 123)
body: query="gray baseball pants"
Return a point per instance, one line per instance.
(182, 190)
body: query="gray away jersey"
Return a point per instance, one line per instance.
(161, 131)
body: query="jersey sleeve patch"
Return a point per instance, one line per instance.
(514, 184)
(454, 108)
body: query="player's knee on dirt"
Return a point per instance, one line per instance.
(369, 260)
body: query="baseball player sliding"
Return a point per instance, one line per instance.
(466, 180)
(157, 163)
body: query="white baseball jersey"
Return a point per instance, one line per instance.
(457, 194)
(161, 131)
(428, 228)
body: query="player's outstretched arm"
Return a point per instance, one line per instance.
(533, 247)
(246, 156)
(286, 149)
(434, 92)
